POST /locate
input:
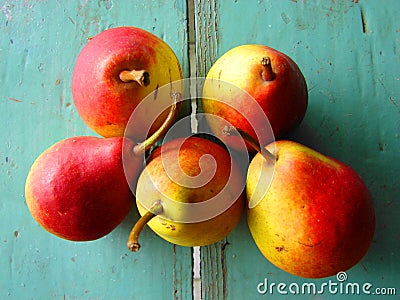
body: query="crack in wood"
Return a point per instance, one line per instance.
(224, 269)
(363, 21)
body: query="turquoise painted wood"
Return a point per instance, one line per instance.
(39, 42)
(349, 54)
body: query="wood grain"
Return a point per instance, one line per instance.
(39, 43)
(348, 52)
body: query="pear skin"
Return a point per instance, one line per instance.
(317, 216)
(77, 189)
(249, 78)
(174, 175)
(114, 72)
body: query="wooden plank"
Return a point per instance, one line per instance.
(39, 43)
(212, 269)
(348, 52)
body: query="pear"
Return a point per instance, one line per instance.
(249, 84)
(79, 189)
(191, 193)
(114, 72)
(309, 214)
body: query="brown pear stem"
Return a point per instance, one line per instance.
(145, 145)
(133, 239)
(142, 77)
(268, 156)
(267, 74)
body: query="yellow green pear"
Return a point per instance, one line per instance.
(191, 193)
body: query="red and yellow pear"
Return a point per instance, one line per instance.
(114, 72)
(79, 189)
(249, 84)
(309, 214)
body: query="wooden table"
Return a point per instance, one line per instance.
(349, 54)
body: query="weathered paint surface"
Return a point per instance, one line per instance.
(349, 53)
(39, 43)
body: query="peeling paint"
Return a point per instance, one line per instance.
(13, 99)
(6, 10)
(108, 4)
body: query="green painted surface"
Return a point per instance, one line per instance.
(39, 43)
(349, 54)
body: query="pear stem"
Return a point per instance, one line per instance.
(133, 239)
(268, 156)
(142, 77)
(145, 145)
(267, 74)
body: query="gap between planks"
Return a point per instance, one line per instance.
(196, 260)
